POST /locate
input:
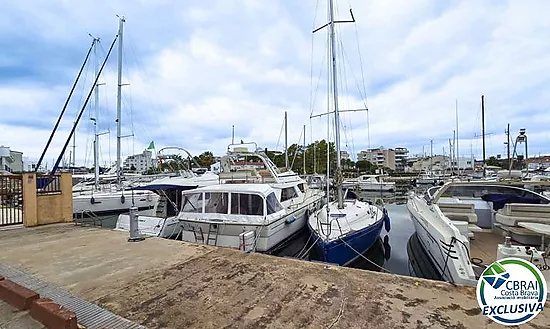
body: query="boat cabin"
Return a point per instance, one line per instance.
(231, 199)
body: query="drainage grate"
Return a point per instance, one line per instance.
(88, 314)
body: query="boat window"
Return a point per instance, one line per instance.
(216, 204)
(273, 204)
(192, 202)
(481, 190)
(247, 204)
(302, 187)
(288, 193)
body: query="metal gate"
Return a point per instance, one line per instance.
(11, 200)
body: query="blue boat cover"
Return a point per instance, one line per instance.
(500, 199)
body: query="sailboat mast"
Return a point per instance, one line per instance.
(314, 157)
(431, 156)
(304, 155)
(286, 142)
(483, 132)
(457, 155)
(96, 116)
(74, 149)
(508, 150)
(338, 178)
(118, 103)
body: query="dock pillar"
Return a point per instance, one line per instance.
(134, 231)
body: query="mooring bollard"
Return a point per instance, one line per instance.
(134, 230)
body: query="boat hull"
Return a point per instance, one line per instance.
(447, 254)
(269, 236)
(103, 203)
(371, 187)
(340, 251)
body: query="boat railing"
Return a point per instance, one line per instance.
(329, 225)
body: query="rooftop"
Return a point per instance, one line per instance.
(263, 189)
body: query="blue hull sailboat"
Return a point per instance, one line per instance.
(345, 228)
(343, 235)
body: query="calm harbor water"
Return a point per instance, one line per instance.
(389, 252)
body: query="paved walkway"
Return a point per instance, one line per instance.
(163, 283)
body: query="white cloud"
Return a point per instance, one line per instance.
(196, 69)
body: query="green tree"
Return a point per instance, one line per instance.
(492, 161)
(365, 166)
(205, 159)
(315, 155)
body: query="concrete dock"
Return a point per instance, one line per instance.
(161, 283)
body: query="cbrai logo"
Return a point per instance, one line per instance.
(511, 291)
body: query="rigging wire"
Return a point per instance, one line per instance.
(311, 98)
(296, 149)
(280, 134)
(158, 109)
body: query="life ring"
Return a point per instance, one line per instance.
(122, 199)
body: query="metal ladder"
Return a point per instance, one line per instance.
(161, 207)
(213, 234)
(198, 238)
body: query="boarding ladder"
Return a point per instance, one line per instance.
(199, 236)
(87, 218)
(213, 230)
(161, 207)
(212, 236)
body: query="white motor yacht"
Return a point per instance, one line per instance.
(463, 227)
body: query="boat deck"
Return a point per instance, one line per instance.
(161, 283)
(484, 246)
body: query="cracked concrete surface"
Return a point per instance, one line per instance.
(172, 284)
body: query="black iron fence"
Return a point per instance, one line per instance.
(48, 184)
(11, 200)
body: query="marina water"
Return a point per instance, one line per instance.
(389, 252)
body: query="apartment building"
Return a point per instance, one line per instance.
(141, 162)
(381, 157)
(10, 161)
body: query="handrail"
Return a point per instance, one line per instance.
(95, 218)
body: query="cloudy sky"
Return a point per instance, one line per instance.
(196, 68)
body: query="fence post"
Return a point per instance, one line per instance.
(134, 230)
(66, 187)
(30, 215)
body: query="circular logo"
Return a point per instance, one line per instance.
(511, 291)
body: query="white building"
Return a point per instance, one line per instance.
(401, 154)
(10, 161)
(401, 157)
(381, 157)
(464, 163)
(344, 155)
(140, 162)
(436, 164)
